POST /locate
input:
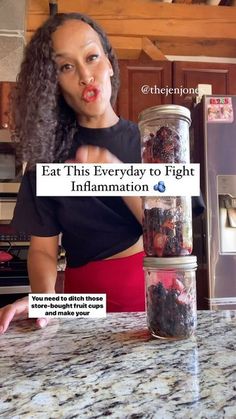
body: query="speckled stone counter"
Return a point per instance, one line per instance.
(113, 368)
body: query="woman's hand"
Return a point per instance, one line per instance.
(15, 310)
(94, 154)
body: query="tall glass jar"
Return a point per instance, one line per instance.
(167, 221)
(165, 134)
(167, 226)
(171, 296)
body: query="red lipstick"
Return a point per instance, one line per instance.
(90, 93)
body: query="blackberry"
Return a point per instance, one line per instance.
(163, 147)
(167, 316)
(164, 133)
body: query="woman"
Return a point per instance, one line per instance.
(63, 111)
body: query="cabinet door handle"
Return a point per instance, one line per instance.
(5, 125)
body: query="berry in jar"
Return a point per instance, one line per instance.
(167, 226)
(164, 133)
(169, 311)
(171, 296)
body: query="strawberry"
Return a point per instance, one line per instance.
(159, 243)
(177, 285)
(169, 224)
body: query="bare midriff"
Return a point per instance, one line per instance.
(132, 250)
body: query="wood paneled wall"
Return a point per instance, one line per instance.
(155, 28)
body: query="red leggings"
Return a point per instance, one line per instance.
(122, 280)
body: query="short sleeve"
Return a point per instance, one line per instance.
(198, 205)
(34, 215)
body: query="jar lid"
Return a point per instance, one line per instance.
(180, 262)
(165, 111)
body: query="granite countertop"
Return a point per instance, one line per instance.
(113, 368)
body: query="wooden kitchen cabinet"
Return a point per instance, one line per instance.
(5, 90)
(163, 74)
(222, 77)
(134, 74)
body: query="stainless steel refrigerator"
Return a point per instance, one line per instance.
(214, 147)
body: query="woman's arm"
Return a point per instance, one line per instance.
(42, 269)
(42, 264)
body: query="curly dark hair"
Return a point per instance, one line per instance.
(43, 125)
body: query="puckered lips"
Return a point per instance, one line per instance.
(90, 93)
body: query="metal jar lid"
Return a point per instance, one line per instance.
(165, 111)
(184, 263)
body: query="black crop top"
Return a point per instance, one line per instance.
(93, 228)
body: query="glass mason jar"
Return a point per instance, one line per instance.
(167, 226)
(164, 133)
(171, 296)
